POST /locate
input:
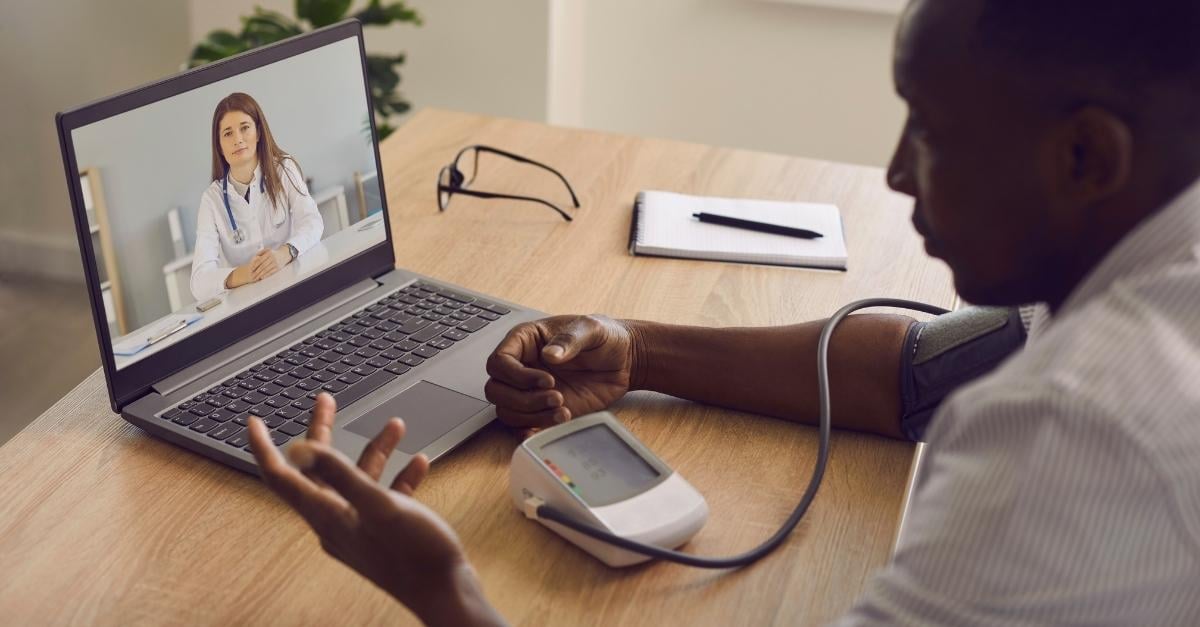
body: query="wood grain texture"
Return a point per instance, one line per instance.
(102, 524)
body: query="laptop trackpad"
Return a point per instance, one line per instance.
(429, 412)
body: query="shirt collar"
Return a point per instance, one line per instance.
(1169, 236)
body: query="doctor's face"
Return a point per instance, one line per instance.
(239, 138)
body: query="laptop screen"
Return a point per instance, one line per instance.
(208, 201)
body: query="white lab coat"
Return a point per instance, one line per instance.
(264, 224)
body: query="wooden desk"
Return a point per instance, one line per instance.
(100, 523)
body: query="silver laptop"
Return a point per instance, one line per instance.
(237, 245)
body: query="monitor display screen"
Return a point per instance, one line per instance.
(603, 467)
(207, 202)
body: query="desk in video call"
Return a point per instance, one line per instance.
(329, 251)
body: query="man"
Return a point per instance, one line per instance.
(1053, 149)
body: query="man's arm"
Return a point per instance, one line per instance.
(773, 370)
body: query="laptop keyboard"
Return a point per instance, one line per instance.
(350, 359)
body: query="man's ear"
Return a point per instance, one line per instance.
(1096, 155)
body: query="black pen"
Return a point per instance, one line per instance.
(749, 225)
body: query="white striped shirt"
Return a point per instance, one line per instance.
(1064, 487)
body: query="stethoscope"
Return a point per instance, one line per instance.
(238, 235)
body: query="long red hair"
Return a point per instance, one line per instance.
(270, 156)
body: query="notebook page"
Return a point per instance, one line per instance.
(666, 227)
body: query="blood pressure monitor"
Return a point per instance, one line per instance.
(594, 471)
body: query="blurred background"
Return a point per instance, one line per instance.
(802, 77)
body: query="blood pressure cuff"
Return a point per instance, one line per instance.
(948, 352)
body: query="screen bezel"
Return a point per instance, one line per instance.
(135, 380)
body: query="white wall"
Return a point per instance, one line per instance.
(54, 56)
(776, 77)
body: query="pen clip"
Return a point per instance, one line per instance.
(179, 326)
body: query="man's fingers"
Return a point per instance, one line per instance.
(407, 480)
(581, 334)
(320, 429)
(547, 418)
(504, 395)
(374, 457)
(323, 511)
(334, 469)
(508, 362)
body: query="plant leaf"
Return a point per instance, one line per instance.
(376, 14)
(321, 12)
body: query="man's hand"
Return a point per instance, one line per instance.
(384, 534)
(548, 371)
(268, 262)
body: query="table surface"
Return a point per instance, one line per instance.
(103, 524)
(334, 249)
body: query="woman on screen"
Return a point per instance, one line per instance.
(257, 215)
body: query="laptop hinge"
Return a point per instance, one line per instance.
(243, 349)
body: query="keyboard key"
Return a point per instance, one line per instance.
(279, 439)
(302, 372)
(238, 407)
(451, 294)
(171, 414)
(283, 366)
(262, 410)
(373, 334)
(248, 384)
(398, 368)
(487, 315)
(186, 405)
(366, 353)
(239, 439)
(363, 370)
(349, 378)
(426, 351)
(233, 392)
(273, 421)
(323, 377)
(407, 345)
(304, 418)
(204, 425)
(200, 410)
(456, 335)
(293, 393)
(270, 389)
(345, 349)
(492, 307)
(458, 315)
(289, 412)
(308, 385)
(411, 360)
(443, 311)
(186, 419)
(286, 381)
(378, 362)
(387, 326)
(352, 360)
(293, 428)
(333, 387)
(441, 343)
(363, 387)
(431, 332)
(472, 325)
(359, 341)
(266, 375)
(221, 415)
(392, 354)
(218, 401)
(412, 326)
(278, 401)
(338, 368)
(379, 345)
(224, 431)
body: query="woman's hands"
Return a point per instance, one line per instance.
(263, 264)
(551, 370)
(384, 534)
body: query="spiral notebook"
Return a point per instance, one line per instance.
(663, 226)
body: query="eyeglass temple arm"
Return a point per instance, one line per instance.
(515, 157)
(471, 192)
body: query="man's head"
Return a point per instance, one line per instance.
(1042, 131)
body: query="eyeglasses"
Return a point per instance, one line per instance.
(453, 180)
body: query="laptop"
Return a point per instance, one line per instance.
(191, 345)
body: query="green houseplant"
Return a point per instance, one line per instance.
(264, 27)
